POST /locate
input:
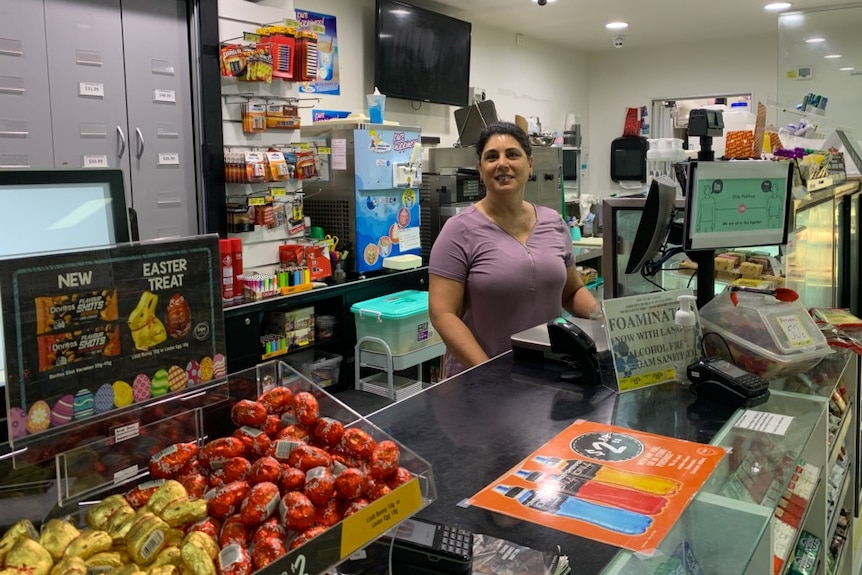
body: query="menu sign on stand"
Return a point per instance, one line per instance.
(92, 332)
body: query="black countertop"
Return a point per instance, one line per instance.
(476, 426)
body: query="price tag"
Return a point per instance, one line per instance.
(165, 96)
(291, 23)
(125, 432)
(125, 474)
(95, 162)
(278, 191)
(323, 151)
(318, 28)
(257, 201)
(250, 37)
(169, 159)
(797, 335)
(92, 89)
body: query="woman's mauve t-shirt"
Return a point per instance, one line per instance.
(508, 286)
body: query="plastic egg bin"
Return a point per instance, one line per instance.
(762, 335)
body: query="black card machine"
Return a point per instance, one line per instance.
(577, 349)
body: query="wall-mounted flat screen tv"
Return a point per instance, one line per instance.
(421, 55)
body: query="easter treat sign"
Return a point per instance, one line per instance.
(92, 332)
(645, 342)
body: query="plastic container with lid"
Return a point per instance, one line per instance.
(764, 336)
(400, 319)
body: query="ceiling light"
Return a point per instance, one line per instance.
(546, 1)
(815, 40)
(832, 56)
(777, 6)
(847, 69)
(617, 25)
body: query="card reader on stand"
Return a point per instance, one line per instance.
(567, 342)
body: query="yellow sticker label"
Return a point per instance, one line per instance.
(372, 521)
(250, 37)
(301, 145)
(318, 28)
(644, 379)
(278, 191)
(323, 151)
(291, 23)
(257, 201)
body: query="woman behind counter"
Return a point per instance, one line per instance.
(502, 265)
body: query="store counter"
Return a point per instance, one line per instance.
(474, 427)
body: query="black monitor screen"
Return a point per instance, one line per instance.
(737, 204)
(421, 55)
(59, 210)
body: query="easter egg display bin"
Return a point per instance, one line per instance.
(317, 523)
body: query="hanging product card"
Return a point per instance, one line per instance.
(90, 332)
(610, 484)
(646, 344)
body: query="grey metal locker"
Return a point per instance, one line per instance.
(25, 109)
(161, 132)
(87, 76)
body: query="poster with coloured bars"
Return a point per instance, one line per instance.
(89, 333)
(609, 484)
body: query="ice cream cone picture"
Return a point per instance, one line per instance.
(147, 329)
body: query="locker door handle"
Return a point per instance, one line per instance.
(141, 143)
(122, 142)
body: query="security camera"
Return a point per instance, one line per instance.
(619, 41)
(542, 2)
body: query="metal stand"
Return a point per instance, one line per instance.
(388, 384)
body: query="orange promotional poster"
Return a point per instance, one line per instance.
(621, 487)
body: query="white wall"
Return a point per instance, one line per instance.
(535, 79)
(621, 79)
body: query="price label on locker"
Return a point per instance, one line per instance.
(169, 159)
(95, 162)
(94, 89)
(164, 96)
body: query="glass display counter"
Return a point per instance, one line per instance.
(737, 523)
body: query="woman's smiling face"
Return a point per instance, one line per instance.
(504, 165)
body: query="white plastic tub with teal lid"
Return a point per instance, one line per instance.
(400, 319)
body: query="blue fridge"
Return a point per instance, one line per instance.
(367, 189)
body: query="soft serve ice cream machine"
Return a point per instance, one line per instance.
(367, 193)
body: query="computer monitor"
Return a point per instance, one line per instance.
(472, 119)
(59, 210)
(737, 204)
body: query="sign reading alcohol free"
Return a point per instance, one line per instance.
(644, 339)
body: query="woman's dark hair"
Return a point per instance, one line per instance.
(503, 128)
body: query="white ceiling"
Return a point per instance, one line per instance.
(580, 24)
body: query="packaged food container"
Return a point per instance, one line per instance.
(399, 319)
(762, 335)
(321, 367)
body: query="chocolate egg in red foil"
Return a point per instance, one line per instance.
(350, 483)
(328, 431)
(211, 526)
(235, 469)
(261, 502)
(247, 412)
(234, 560)
(329, 514)
(358, 442)
(319, 485)
(272, 527)
(178, 316)
(306, 408)
(306, 536)
(384, 459)
(297, 511)
(277, 400)
(234, 531)
(292, 479)
(267, 551)
(266, 468)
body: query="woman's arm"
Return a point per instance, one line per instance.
(445, 299)
(577, 300)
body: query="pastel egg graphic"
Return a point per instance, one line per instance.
(123, 394)
(219, 365)
(141, 388)
(17, 423)
(177, 379)
(206, 369)
(62, 412)
(38, 417)
(82, 407)
(104, 400)
(193, 372)
(159, 385)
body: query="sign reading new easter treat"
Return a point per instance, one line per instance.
(91, 332)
